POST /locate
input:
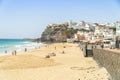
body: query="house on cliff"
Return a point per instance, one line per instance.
(81, 25)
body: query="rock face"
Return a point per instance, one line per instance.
(57, 33)
(54, 33)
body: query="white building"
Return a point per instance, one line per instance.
(81, 25)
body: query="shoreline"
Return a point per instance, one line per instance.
(29, 47)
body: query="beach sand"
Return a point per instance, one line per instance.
(33, 65)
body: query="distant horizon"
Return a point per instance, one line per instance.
(28, 18)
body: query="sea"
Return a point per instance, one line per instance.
(9, 45)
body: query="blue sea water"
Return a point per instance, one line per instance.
(12, 44)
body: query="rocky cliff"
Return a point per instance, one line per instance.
(57, 33)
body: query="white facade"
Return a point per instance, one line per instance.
(117, 25)
(81, 25)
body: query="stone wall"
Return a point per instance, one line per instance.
(110, 60)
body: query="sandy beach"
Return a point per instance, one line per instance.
(70, 65)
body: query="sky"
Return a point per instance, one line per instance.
(29, 18)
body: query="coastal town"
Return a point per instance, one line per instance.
(92, 33)
(107, 34)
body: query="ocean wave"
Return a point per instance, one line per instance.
(4, 46)
(20, 47)
(26, 42)
(17, 46)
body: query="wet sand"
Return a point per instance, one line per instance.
(70, 65)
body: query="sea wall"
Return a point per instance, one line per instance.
(110, 60)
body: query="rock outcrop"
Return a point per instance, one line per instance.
(57, 33)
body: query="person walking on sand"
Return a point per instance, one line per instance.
(25, 49)
(6, 51)
(12, 53)
(102, 45)
(15, 52)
